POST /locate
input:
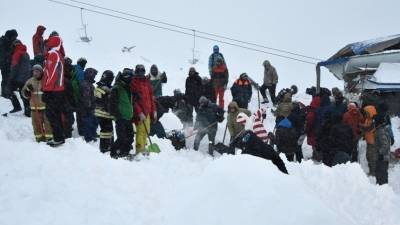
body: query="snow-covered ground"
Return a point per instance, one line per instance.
(76, 184)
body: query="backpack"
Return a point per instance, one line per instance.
(286, 139)
(75, 85)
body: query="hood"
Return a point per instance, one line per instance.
(90, 74)
(20, 48)
(316, 102)
(266, 63)
(233, 105)
(40, 30)
(11, 35)
(54, 42)
(285, 123)
(371, 111)
(154, 67)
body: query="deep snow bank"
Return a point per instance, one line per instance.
(75, 184)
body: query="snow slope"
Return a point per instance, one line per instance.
(75, 184)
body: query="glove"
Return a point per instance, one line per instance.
(142, 117)
(391, 141)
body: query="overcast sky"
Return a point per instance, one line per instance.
(316, 28)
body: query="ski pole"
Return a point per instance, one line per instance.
(226, 128)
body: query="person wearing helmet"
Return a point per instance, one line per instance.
(144, 107)
(87, 105)
(122, 111)
(242, 91)
(157, 79)
(270, 82)
(102, 111)
(207, 119)
(32, 90)
(219, 78)
(212, 60)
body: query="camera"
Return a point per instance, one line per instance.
(322, 91)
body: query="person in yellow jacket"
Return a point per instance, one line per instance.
(32, 90)
(369, 130)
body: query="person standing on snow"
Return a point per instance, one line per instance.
(19, 74)
(68, 115)
(87, 105)
(32, 90)
(122, 111)
(78, 75)
(157, 79)
(368, 128)
(219, 79)
(284, 108)
(144, 107)
(6, 53)
(207, 119)
(38, 42)
(207, 89)
(270, 82)
(311, 120)
(102, 111)
(53, 88)
(193, 88)
(354, 118)
(242, 91)
(212, 60)
(383, 143)
(292, 91)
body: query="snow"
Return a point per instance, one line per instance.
(76, 184)
(388, 73)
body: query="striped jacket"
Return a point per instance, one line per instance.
(254, 123)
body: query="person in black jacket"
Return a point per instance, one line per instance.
(6, 52)
(298, 119)
(286, 139)
(102, 111)
(242, 91)
(251, 144)
(338, 146)
(68, 114)
(87, 105)
(20, 73)
(193, 88)
(207, 89)
(207, 119)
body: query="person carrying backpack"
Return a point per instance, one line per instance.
(242, 91)
(20, 73)
(122, 111)
(219, 78)
(286, 139)
(207, 119)
(87, 105)
(212, 60)
(32, 90)
(157, 79)
(78, 75)
(102, 111)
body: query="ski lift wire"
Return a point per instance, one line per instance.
(184, 33)
(201, 32)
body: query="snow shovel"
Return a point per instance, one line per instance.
(152, 147)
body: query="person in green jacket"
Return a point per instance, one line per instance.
(157, 79)
(233, 126)
(122, 111)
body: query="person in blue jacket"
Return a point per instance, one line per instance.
(212, 61)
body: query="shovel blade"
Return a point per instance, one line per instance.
(154, 148)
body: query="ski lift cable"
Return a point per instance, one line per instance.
(201, 32)
(184, 33)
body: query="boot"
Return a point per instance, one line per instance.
(265, 101)
(15, 103)
(54, 144)
(211, 149)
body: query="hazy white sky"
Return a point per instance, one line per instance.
(316, 28)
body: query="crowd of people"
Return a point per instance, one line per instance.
(57, 93)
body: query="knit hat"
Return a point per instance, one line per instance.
(38, 68)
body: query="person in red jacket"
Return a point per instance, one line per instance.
(53, 88)
(219, 78)
(38, 42)
(143, 106)
(354, 118)
(310, 126)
